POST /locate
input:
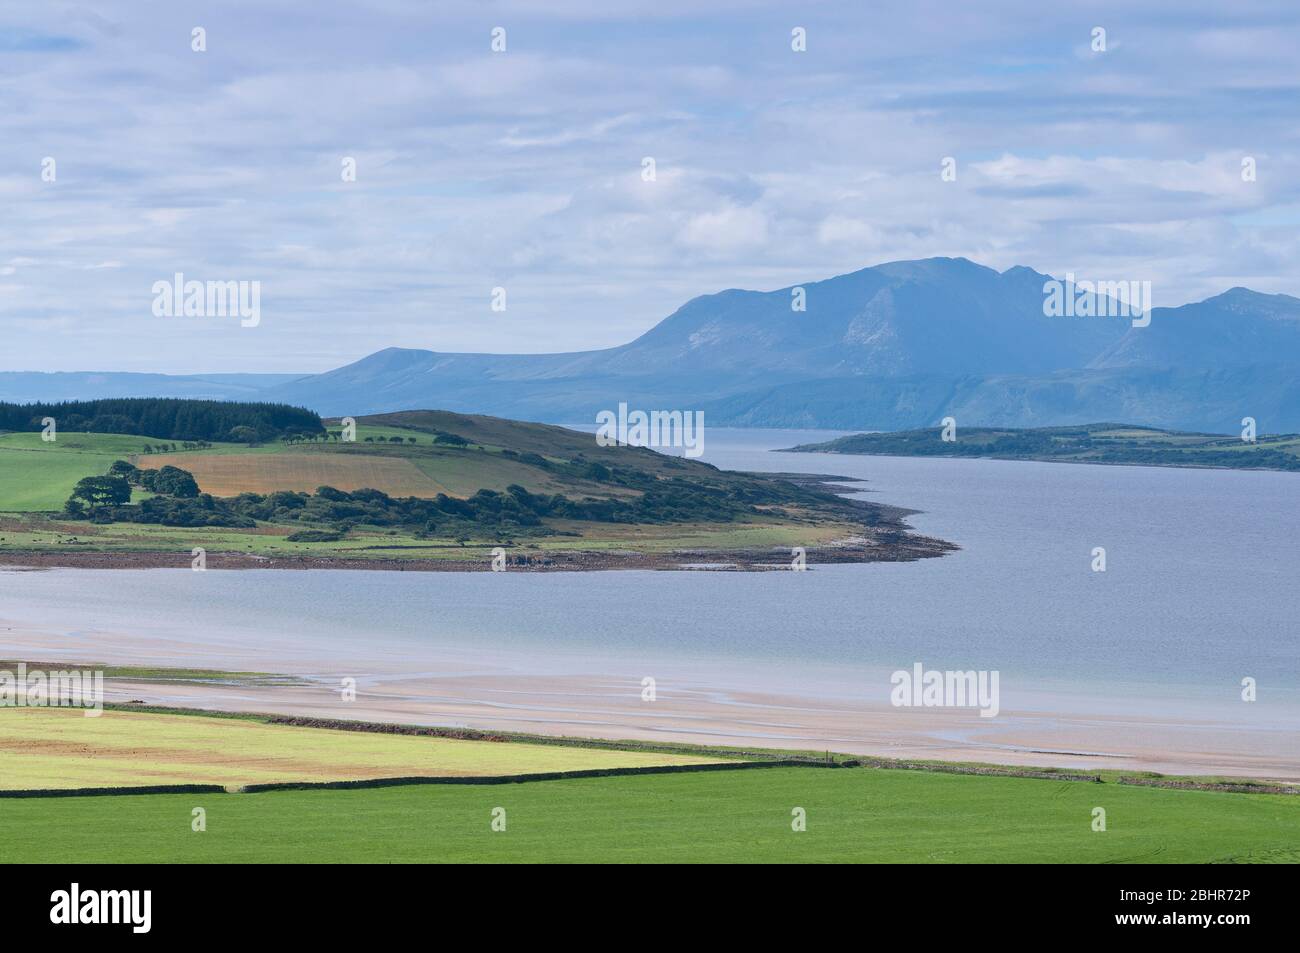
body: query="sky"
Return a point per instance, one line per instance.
(524, 168)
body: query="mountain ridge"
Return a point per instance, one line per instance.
(890, 346)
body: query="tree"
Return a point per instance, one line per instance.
(243, 434)
(174, 481)
(102, 491)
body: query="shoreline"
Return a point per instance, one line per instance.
(445, 691)
(907, 547)
(586, 706)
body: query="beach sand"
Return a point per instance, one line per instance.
(462, 688)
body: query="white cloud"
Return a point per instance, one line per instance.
(523, 168)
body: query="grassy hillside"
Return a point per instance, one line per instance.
(434, 487)
(853, 815)
(37, 476)
(417, 466)
(1091, 443)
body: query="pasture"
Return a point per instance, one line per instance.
(852, 815)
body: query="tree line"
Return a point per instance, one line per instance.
(106, 499)
(166, 418)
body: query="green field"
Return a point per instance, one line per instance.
(853, 814)
(858, 814)
(62, 748)
(37, 476)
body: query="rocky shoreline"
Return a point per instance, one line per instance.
(898, 547)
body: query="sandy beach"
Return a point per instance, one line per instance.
(438, 687)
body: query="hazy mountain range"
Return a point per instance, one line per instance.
(894, 346)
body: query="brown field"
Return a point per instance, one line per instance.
(235, 473)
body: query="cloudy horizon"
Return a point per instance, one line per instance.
(523, 169)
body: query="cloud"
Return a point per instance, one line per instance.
(523, 168)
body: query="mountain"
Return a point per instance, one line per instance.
(30, 386)
(893, 346)
(897, 345)
(1238, 328)
(941, 317)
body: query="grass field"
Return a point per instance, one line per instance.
(853, 814)
(36, 476)
(62, 748)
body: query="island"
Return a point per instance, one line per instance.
(1103, 443)
(140, 483)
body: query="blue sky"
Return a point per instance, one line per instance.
(522, 169)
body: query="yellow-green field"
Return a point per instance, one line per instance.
(44, 748)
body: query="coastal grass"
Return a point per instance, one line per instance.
(853, 815)
(46, 533)
(51, 748)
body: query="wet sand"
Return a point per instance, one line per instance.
(466, 688)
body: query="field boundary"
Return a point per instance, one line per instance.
(562, 741)
(525, 778)
(102, 791)
(361, 783)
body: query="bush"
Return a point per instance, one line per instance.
(314, 536)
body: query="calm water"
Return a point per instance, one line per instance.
(1200, 591)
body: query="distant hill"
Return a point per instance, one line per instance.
(897, 345)
(1093, 443)
(31, 386)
